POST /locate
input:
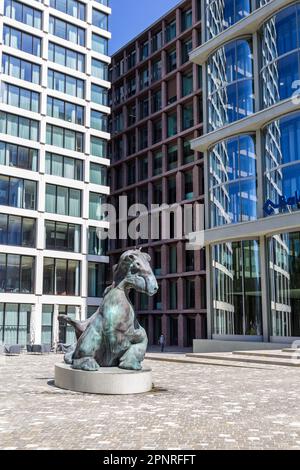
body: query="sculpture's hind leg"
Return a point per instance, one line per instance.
(134, 356)
(87, 346)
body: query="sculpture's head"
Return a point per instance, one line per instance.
(134, 268)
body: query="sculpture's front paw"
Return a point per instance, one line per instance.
(86, 363)
(133, 365)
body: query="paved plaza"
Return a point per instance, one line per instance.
(197, 406)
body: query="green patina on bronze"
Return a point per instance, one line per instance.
(112, 337)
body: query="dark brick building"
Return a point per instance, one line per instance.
(156, 112)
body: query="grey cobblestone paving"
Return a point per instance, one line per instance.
(191, 407)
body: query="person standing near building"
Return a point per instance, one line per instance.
(162, 342)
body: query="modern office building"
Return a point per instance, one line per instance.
(156, 112)
(53, 164)
(251, 144)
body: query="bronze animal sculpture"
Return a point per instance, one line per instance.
(112, 337)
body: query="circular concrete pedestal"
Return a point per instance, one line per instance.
(105, 381)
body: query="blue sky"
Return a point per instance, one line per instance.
(131, 17)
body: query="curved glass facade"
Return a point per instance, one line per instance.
(284, 272)
(230, 83)
(280, 55)
(282, 165)
(221, 14)
(237, 306)
(233, 193)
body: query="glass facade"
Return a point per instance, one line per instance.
(221, 14)
(284, 272)
(282, 160)
(280, 37)
(60, 236)
(230, 83)
(237, 308)
(233, 186)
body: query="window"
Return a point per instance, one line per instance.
(15, 324)
(100, 19)
(96, 279)
(171, 31)
(173, 259)
(66, 57)
(65, 110)
(99, 69)
(62, 237)
(172, 124)
(95, 206)
(233, 192)
(186, 19)
(188, 153)
(280, 55)
(99, 121)
(24, 13)
(144, 78)
(143, 168)
(64, 138)
(230, 90)
(17, 274)
(172, 196)
(67, 31)
(284, 284)
(16, 192)
(189, 261)
(172, 153)
(98, 174)
(131, 143)
(157, 163)
(66, 167)
(97, 240)
(237, 293)
(98, 147)
(220, 15)
(186, 48)
(144, 50)
(61, 277)
(65, 84)
(144, 107)
(171, 61)
(187, 117)
(131, 173)
(99, 44)
(21, 97)
(22, 41)
(71, 7)
(143, 137)
(131, 87)
(187, 83)
(17, 231)
(131, 59)
(173, 295)
(282, 165)
(156, 70)
(103, 2)
(157, 41)
(188, 185)
(19, 126)
(18, 156)
(99, 95)
(62, 200)
(21, 69)
(190, 293)
(156, 101)
(157, 131)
